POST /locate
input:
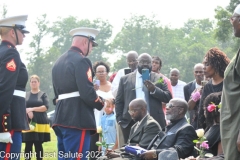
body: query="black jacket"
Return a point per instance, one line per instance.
(178, 135)
(73, 72)
(13, 76)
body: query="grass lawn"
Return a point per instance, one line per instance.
(49, 148)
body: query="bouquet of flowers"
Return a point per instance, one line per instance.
(103, 143)
(201, 144)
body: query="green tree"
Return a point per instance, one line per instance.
(224, 31)
(40, 62)
(4, 11)
(62, 39)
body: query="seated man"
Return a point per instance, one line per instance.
(145, 128)
(179, 135)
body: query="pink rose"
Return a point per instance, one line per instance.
(211, 107)
(204, 145)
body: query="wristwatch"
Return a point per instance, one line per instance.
(154, 154)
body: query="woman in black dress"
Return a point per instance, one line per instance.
(36, 107)
(215, 62)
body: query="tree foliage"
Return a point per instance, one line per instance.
(178, 48)
(41, 59)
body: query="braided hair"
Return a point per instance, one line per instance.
(218, 60)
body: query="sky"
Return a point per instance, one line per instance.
(173, 13)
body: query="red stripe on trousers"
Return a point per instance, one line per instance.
(81, 143)
(8, 147)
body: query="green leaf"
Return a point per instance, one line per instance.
(98, 143)
(160, 80)
(33, 123)
(103, 143)
(195, 141)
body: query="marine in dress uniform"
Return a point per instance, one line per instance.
(72, 77)
(13, 79)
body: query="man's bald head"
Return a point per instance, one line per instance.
(132, 53)
(137, 109)
(174, 70)
(174, 76)
(198, 73)
(132, 57)
(176, 109)
(198, 65)
(138, 103)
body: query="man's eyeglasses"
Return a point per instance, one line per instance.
(233, 18)
(170, 105)
(101, 72)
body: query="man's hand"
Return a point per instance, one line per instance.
(150, 86)
(148, 155)
(5, 137)
(111, 154)
(238, 141)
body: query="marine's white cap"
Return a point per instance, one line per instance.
(15, 22)
(90, 33)
(237, 9)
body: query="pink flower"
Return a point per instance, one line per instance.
(211, 107)
(204, 145)
(196, 96)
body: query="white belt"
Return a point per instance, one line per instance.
(68, 95)
(19, 93)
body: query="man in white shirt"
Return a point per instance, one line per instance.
(132, 64)
(177, 85)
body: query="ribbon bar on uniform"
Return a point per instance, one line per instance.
(19, 93)
(68, 95)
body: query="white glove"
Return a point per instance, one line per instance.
(5, 137)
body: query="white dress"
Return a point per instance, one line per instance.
(98, 114)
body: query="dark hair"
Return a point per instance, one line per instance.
(216, 99)
(218, 60)
(99, 63)
(159, 59)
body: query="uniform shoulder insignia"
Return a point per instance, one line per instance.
(11, 65)
(89, 74)
(9, 46)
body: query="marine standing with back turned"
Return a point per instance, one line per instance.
(72, 76)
